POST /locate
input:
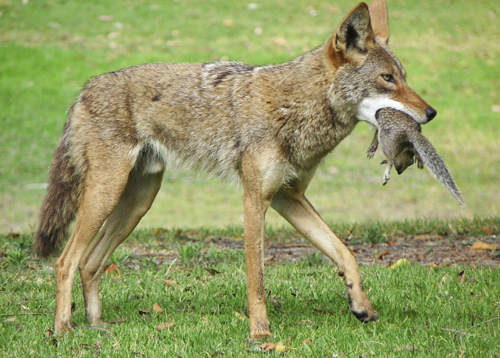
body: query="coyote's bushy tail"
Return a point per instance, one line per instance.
(61, 202)
(435, 164)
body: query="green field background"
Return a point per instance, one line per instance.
(48, 49)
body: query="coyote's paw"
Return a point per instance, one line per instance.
(361, 307)
(63, 327)
(366, 316)
(259, 329)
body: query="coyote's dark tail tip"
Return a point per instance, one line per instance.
(45, 244)
(58, 210)
(59, 206)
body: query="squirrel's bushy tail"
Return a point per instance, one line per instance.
(61, 201)
(435, 164)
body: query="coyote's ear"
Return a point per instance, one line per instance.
(378, 18)
(355, 35)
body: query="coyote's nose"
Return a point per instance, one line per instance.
(430, 113)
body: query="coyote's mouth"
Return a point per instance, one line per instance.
(368, 108)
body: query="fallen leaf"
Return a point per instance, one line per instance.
(274, 347)
(306, 341)
(158, 231)
(268, 346)
(488, 230)
(49, 333)
(228, 22)
(112, 269)
(9, 320)
(240, 316)
(170, 282)
(164, 325)
(400, 262)
(381, 254)
(280, 348)
(157, 308)
(480, 245)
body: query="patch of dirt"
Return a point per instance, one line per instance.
(433, 250)
(424, 249)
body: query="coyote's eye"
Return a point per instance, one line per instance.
(388, 77)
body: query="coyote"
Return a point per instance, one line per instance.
(266, 127)
(401, 141)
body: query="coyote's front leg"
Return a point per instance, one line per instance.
(254, 213)
(297, 210)
(261, 176)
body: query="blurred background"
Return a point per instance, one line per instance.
(450, 49)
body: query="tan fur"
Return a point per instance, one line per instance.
(266, 127)
(379, 20)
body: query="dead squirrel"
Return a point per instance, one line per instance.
(402, 143)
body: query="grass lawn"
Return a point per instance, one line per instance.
(174, 298)
(48, 49)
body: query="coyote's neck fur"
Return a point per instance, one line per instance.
(295, 100)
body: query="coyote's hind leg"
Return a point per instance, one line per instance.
(104, 183)
(135, 201)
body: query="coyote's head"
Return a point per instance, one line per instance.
(367, 74)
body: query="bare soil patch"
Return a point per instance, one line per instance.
(424, 249)
(428, 249)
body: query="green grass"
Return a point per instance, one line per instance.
(48, 49)
(424, 311)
